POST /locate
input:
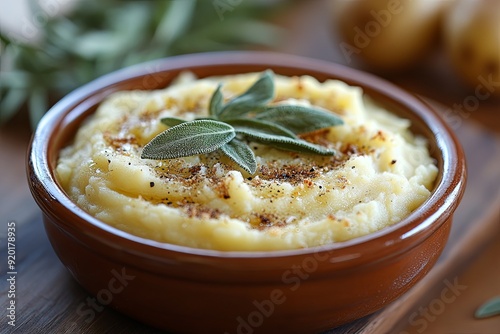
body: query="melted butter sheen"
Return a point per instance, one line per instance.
(381, 173)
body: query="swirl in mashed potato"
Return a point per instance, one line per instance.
(381, 172)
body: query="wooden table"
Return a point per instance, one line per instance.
(48, 299)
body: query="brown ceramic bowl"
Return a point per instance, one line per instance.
(182, 289)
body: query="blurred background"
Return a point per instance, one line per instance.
(447, 51)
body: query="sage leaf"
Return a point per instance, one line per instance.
(14, 80)
(190, 138)
(259, 94)
(489, 309)
(284, 143)
(245, 116)
(299, 119)
(99, 44)
(11, 102)
(38, 105)
(172, 121)
(215, 106)
(241, 154)
(261, 126)
(240, 30)
(174, 22)
(4, 40)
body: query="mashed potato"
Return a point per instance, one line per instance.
(380, 174)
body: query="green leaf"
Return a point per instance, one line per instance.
(174, 22)
(284, 143)
(259, 94)
(215, 107)
(172, 121)
(91, 45)
(488, 309)
(241, 154)
(5, 40)
(15, 79)
(261, 126)
(38, 105)
(137, 14)
(11, 102)
(240, 31)
(189, 138)
(299, 119)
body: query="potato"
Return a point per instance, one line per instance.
(471, 33)
(387, 34)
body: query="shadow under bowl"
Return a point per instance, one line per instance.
(187, 290)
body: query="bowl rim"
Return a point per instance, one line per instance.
(443, 200)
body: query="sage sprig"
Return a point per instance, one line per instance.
(245, 118)
(82, 40)
(189, 138)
